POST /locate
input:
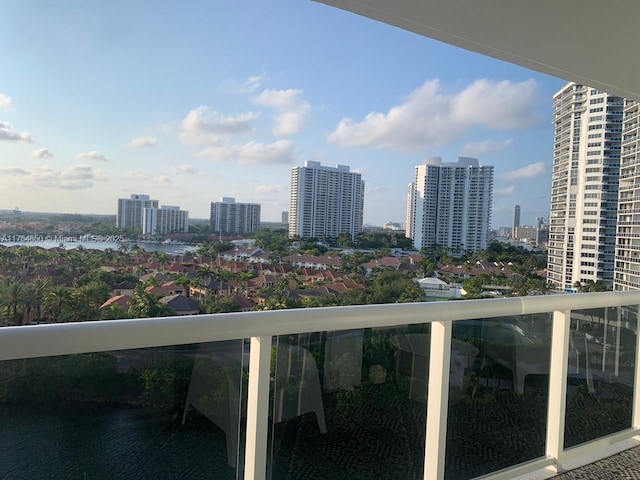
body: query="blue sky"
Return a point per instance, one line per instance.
(191, 101)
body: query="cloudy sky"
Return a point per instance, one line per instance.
(191, 101)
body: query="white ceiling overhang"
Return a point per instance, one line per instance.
(588, 42)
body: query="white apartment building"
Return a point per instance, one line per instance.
(627, 267)
(233, 218)
(325, 201)
(130, 210)
(163, 220)
(449, 204)
(584, 191)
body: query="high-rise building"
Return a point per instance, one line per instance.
(130, 210)
(516, 218)
(233, 218)
(285, 218)
(449, 204)
(627, 268)
(584, 190)
(163, 220)
(325, 201)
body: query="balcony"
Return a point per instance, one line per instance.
(430, 390)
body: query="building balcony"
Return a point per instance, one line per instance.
(501, 388)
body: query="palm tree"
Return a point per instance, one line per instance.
(37, 290)
(55, 301)
(185, 281)
(13, 296)
(146, 305)
(163, 259)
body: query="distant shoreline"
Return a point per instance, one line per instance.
(176, 249)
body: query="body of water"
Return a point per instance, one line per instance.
(96, 243)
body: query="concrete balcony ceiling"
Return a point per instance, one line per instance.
(590, 43)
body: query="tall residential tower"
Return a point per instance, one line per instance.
(130, 210)
(233, 218)
(449, 204)
(584, 190)
(325, 201)
(163, 220)
(627, 269)
(516, 219)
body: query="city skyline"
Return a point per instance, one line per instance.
(95, 104)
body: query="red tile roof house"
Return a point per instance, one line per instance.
(245, 304)
(332, 275)
(311, 261)
(251, 254)
(169, 288)
(123, 301)
(384, 263)
(307, 275)
(470, 270)
(265, 281)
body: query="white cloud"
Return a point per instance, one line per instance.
(429, 117)
(361, 171)
(149, 180)
(93, 155)
(293, 112)
(143, 142)
(501, 105)
(159, 181)
(269, 189)
(187, 169)
(530, 171)
(485, 147)
(42, 153)
(505, 192)
(249, 85)
(13, 171)
(5, 102)
(9, 134)
(252, 153)
(75, 177)
(204, 126)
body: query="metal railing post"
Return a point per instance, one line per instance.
(255, 464)
(558, 386)
(636, 378)
(438, 400)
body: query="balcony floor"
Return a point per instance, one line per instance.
(624, 465)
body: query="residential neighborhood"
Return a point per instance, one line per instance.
(59, 285)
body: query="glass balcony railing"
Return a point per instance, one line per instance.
(444, 390)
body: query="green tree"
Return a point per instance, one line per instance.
(13, 296)
(55, 302)
(146, 305)
(216, 304)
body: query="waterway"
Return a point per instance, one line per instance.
(95, 243)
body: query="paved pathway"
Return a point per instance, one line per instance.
(622, 466)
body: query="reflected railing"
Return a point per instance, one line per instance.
(456, 390)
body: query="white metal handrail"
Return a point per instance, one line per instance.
(70, 338)
(86, 337)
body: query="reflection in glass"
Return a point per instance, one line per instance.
(342, 408)
(601, 368)
(122, 414)
(498, 393)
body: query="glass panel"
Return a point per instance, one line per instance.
(601, 367)
(350, 404)
(498, 393)
(170, 412)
